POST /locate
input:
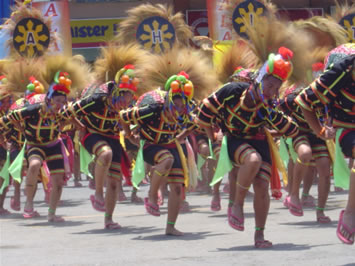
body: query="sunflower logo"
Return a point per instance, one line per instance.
(156, 34)
(247, 10)
(31, 37)
(348, 23)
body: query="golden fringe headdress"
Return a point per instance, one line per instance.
(342, 10)
(114, 61)
(128, 27)
(205, 45)
(65, 75)
(180, 59)
(19, 12)
(24, 76)
(268, 34)
(238, 56)
(324, 31)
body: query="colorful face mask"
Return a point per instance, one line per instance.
(179, 86)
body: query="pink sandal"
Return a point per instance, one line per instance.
(97, 205)
(349, 231)
(262, 244)
(14, 206)
(240, 226)
(112, 226)
(56, 219)
(216, 205)
(324, 220)
(4, 212)
(285, 202)
(152, 209)
(295, 210)
(28, 214)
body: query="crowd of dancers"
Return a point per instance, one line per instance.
(178, 119)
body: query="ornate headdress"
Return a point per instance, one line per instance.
(64, 75)
(30, 33)
(282, 50)
(155, 27)
(236, 63)
(118, 66)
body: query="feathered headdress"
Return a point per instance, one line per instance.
(281, 48)
(129, 27)
(325, 32)
(64, 75)
(162, 67)
(30, 33)
(119, 64)
(25, 77)
(235, 62)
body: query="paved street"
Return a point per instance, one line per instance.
(81, 240)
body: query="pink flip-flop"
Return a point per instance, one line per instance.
(285, 202)
(294, 209)
(324, 220)
(262, 244)
(216, 205)
(13, 205)
(239, 227)
(56, 219)
(349, 231)
(96, 204)
(28, 214)
(112, 226)
(4, 212)
(152, 209)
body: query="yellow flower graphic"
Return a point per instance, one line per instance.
(350, 29)
(29, 38)
(156, 37)
(248, 14)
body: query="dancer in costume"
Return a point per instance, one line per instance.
(160, 114)
(5, 103)
(307, 146)
(41, 126)
(246, 109)
(98, 111)
(333, 92)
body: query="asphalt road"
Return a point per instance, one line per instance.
(208, 239)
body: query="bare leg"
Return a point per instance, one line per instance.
(31, 181)
(56, 192)
(173, 209)
(2, 199)
(323, 167)
(300, 169)
(261, 207)
(102, 166)
(246, 174)
(306, 199)
(110, 198)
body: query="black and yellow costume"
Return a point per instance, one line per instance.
(334, 90)
(243, 124)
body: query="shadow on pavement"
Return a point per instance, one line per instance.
(275, 247)
(126, 230)
(312, 224)
(185, 237)
(62, 224)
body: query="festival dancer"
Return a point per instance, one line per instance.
(160, 114)
(307, 146)
(41, 127)
(333, 92)
(245, 109)
(98, 111)
(5, 103)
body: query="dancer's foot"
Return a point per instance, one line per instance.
(321, 217)
(294, 206)
(259, 240)
(77, 183)
(172, 231)
(184, 207)
(136, 199)
(346, 227)
(307, 201)
(121, 196)
(52, 218)
(216, 203)
(4, 212)
(15, 204)
(236, 217)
